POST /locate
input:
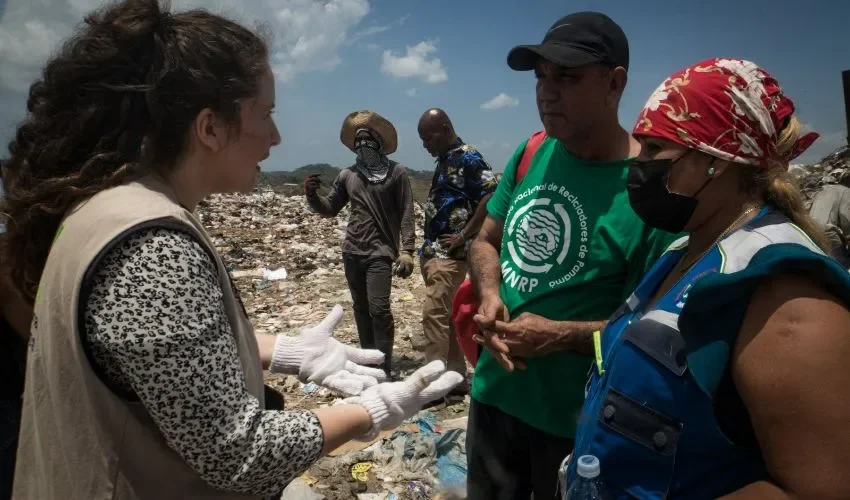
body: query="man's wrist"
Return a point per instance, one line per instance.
(577, 336)
(490, 294)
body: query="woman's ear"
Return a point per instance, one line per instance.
(209, 131)
(717, 167)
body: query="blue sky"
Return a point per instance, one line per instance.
(336, 56)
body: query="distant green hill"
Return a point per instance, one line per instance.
(291, 183)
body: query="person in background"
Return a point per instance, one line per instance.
(454, 212)
(381, 229)
(557, 254)
(831, 210)
(725, 373)
(144, 377)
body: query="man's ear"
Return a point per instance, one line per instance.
(619, 77)
(209, 130)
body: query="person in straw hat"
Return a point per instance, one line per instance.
(381, 215)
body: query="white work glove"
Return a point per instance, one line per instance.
(391, 403)
(317, 357)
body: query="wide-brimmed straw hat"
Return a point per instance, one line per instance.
(373, 121)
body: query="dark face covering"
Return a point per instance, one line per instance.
(370, 161)
(653, 202)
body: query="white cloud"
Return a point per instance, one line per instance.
(373, 46)
(371, 30)
(501, 101)
(29, 32)
(507, 145)
(411, 92)
(307, 34)
(419, 61)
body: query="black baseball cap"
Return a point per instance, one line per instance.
(576, 40)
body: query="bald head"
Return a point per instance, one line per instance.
(434, 117)
(436, 131)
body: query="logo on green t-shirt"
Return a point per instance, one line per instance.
(539, 230)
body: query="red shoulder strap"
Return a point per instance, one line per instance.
(531, 146)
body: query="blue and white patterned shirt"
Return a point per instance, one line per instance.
(461, 179)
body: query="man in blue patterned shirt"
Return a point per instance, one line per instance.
(454, 212)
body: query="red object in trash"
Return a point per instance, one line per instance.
(465, 303)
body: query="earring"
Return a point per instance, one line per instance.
(711, 171)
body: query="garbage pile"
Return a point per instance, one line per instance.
(286, 263)
(833, 169)
(423, 459)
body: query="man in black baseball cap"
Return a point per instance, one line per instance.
(573, 249)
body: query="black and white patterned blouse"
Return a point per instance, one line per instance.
(156, 324)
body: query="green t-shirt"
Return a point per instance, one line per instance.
(572, 250)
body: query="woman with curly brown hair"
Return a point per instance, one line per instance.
(144, 377)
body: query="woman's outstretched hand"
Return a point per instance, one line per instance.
(389, 404)
(315, 356)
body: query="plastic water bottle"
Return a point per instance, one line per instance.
(588, 485)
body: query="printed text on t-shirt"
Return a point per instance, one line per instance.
(539, 235)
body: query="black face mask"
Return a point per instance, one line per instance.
(653, 202)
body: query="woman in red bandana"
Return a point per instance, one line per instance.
(725, 373)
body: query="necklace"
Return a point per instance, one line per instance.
(682, 268)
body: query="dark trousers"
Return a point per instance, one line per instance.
(508, 459)
(370, 280)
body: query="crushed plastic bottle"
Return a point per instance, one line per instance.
(588, 484)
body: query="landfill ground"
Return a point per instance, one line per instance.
(271, 232)
(832, 169)
(266, 232)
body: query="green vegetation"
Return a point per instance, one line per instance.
(291, 183)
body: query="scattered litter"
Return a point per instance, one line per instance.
(250, 273)
(361, 445)
(308, 478)
(427, 422)
(451, 459)
(357, 487)
(417, 490)
(360, 471)
(373, 496)
(299, 490)
(276, 275)
(457, 423)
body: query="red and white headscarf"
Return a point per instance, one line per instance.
(727, 108)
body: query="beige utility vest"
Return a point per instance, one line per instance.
(79, 440)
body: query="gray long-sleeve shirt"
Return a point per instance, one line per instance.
(381, 214)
